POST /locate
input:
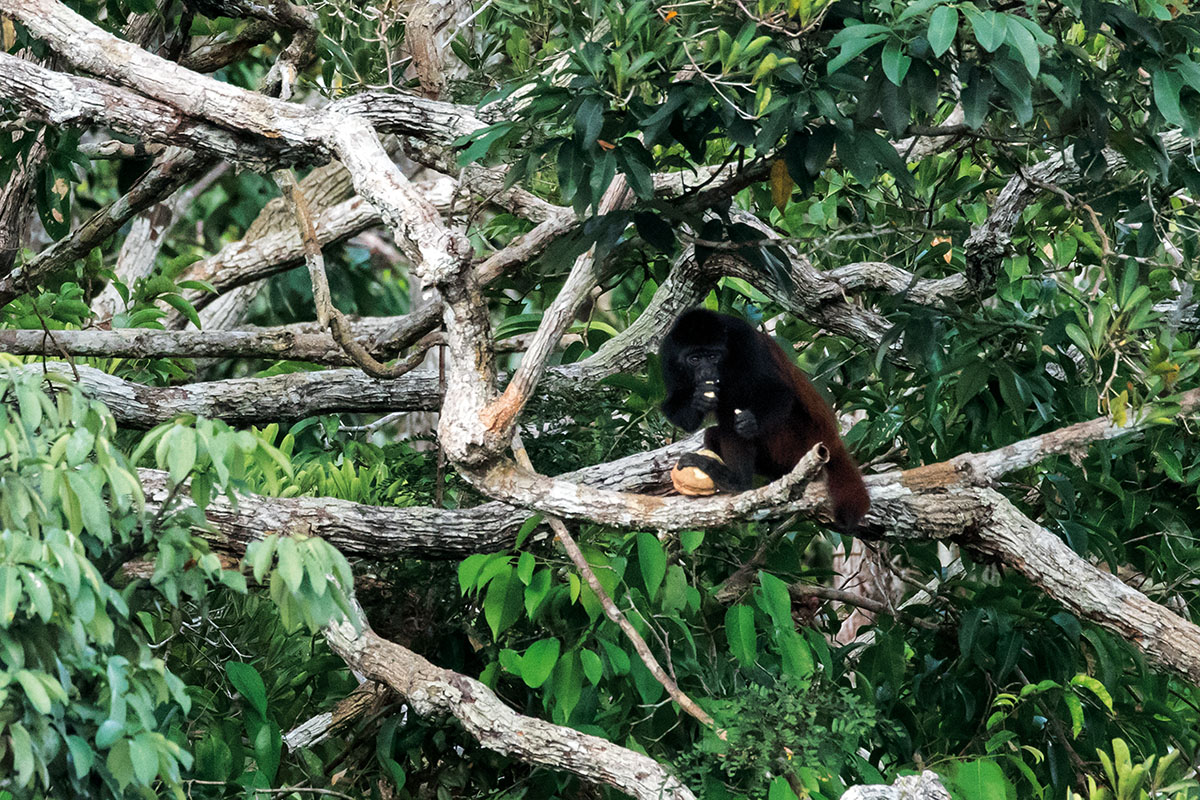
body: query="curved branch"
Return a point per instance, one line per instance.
(566, 498)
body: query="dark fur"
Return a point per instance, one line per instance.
(768, 414)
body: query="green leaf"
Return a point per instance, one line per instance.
(1171, 464)
(109, 732)
(690, 540)
(527, 528)
(943, 25)
(181, 456)
(249, 684)
(518, 324)
(291, 567)
(775, 600)
(21, 747)
(268, 745)
(261, 555)
(653, 562)
(981, 780)
(35, 691)
(120, 764)
(853, 48)
(743, 639)
(854, 33)
(976, 97)
(480, 142)
(1095, 687)
(10, 593)
(143, 753)
(1129, 282)
(797, 656)
(895, 63)
(593, 667)
(1167, 84)
(917, 8)
(82, 755)
(1014, 78)
(753, 49)
(525, 567)
(618, 659)
(536, 591)
(971, 381)
(1075, 709)
(92, 508)
(183, 306)
(538, 662)
(502, 603)
(1022, 41)
(29, 400)
(1188, 70)
(589, 119)
(780, 790)
(1076, 334)
(990, 28)
(655, 230)
(469, 569)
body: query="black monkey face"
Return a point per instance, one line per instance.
(704, 363)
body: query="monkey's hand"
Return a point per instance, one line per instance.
(705, 399)
(745, 423)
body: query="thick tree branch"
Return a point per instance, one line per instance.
(239, 401)
(1164, 637)
(68, 101)
(431, 690)
(388, 533)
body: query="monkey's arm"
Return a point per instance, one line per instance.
(687, 406)
(745, 423)
(680, 409)
(735, 471)
(725, 479)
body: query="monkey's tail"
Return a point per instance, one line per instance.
(847, 491)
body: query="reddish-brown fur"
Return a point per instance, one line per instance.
(813, 421)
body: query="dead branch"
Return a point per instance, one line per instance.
(241, 400)
(799, 591)
(431, 690)
(500, 414)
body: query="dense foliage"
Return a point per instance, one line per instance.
(180, 679)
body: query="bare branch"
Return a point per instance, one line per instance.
(1164, 637)
(241, 400)
(65, 101)
(500, 415)
(991, 240)
(565, 498)
(985, 468)
(432, 690)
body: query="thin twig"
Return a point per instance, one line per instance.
(845, 597)
(610, 608)
(639, 644)
(328, 314)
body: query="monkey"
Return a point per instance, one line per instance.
(768, 414)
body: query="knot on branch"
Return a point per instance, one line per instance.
(985, 251)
